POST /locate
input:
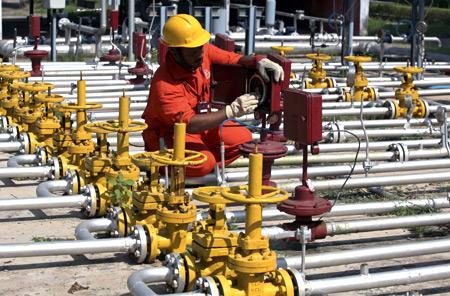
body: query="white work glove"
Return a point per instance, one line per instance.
(244, 104)
(265, 64)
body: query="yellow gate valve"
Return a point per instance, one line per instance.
(253, 261)
(80, 144)
(148, 196)
(317, 74)
(408, 103)
(358, 82)
(11, 78)
(282, 50)
(42, 131)
(101, 166)
(176, 212)
(5, 82)
(121, 163)
(27, 110)
(212, 243)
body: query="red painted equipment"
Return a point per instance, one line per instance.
(162, 52)
(35, 55)
(113, 54)
(224, 42)
(303, 124)
(230, 81)
(140, 51)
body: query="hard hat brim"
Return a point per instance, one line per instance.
(201, 39)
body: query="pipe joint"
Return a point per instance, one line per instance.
(139, 252)
(401, 152)
(90, 205)
(174, 262)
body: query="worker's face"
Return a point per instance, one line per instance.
(190, 58)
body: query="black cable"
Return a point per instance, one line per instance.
(349, 174)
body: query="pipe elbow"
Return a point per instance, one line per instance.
(85, 230)
(138, 281)
(49, 188)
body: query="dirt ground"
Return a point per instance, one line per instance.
(106, 274)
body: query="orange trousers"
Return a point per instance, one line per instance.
(208, 143)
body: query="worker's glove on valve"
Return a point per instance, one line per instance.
(265, 65)
(244, 104)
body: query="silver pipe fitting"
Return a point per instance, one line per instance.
(85, 230)
(66, 201)
(49, 188)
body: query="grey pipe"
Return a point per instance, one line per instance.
(322, 171)
(6, 137)
(85, 229)
(348, 157)
(377, 280)
(139, 280)
(10, 146)
(26, 172)
(373, 181)
(131, 16)
(362, 255)
(124, 245)
(66, 201)
(367, 225)
(367, 208)
(23, 159)
(49, 188)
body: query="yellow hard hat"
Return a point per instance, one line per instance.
(184, 30)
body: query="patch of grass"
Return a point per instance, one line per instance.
(410, 211)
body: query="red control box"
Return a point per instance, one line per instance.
(224, 42)
(113, 19)
(35, 26)
(139, 45)
(302, 116)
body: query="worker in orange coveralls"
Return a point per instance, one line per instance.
(181, 86)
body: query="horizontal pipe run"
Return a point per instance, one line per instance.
(376, 280)
(367, 208)
(345, 227)
(124, 245)
(23, 159)
(26, 172)
(66, 201)
(349, 157)
(373, 181)
(10, 146)
(362, 255)
(322, 171)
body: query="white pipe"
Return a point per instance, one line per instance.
(124, 245)
(27, 172)
(49, 188)
(362, 255)
(322, 171)
(23, 159)
(66, 201)
(373, 181)
(376, 280)
(10, 146)
(366, 225)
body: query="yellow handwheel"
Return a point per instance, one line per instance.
(210, 195)
(95, 127)
(318, 57)
(142, 159)
(73, 107)
(358, 59)
(45, 98)
(409, 70)
(114, 126)
(190, 158)
(273, 195)
(36, 86)
(14, 75)
(282, 49)
(4, 68)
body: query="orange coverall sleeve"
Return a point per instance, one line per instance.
(171, 102)
(220, 56)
